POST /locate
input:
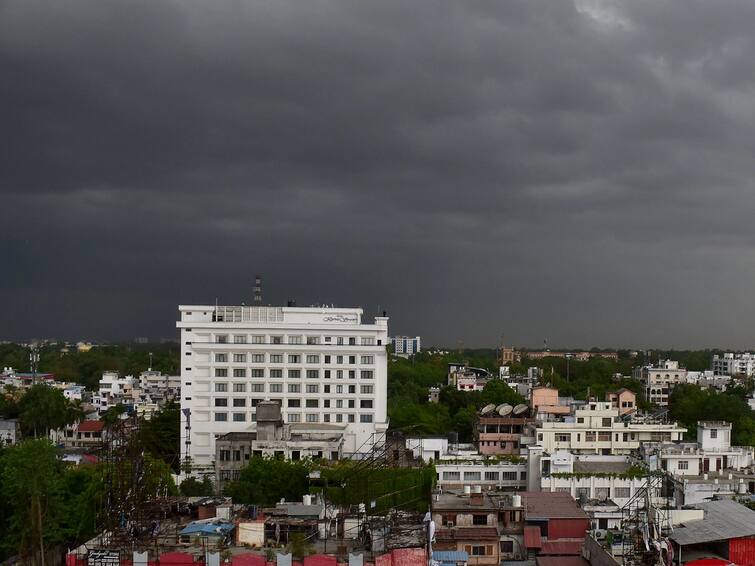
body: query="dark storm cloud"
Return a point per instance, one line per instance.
(577, 172)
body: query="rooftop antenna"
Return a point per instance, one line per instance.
(257, 291)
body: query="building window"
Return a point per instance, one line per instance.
(237, 402)
(313, 388)
(326, 374)
(294, 359)
(239, 417)
(239, 372)
(471, 476)
(479, 519)
(365, 418)
(683, 465)
(221, 358)
(352, 360)
(221, 339)
(221, 387)
(221, 417)
(221, 372)
(239, 358)
(239, 339)
(351, 403)
(326, 403)
(276, 388)
(294, 340)
(602, 493)
(313, 358)
(351, 418)
(367, 389)
(582, 493)
(352, 388)
(258, 358)
(294, 403)
(239, 387)
(368, 360)
(352, 374)
(258, 339)
(563, 437)
(258, 372)
(475, 550)
(367, 374)
(276, 358)
(276, 373)
(294, 388)
(313, 374)
(339, 389)
(312, 340)
(258, 387)
(451, 475)
(327, 359)
(507, 546)
(622, 492)
(221, 402)
(365, 404)
(294, 418)
(326, 418)
(276, 339)
(294, 374)
(491, 476)
(339, 403)
(312, 417)
(312, 403)
(714, 433)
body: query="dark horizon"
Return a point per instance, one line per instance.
(580, 172)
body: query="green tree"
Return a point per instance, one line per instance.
(42, 409)
(299, 546)
(161, 435)
(31, 483)
(192, 487)
(264, 481)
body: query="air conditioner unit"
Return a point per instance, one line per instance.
(449, 524)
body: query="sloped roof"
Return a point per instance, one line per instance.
(724, 519)
(90, 426)
(562, 547)
(551, 505)
(532, 538)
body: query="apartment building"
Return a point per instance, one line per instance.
(321, 364)
(406, 345)
(659, 381)
(734, 364)
(597, 429)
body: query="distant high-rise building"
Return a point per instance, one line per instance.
(324, 366)
(406, 345)
(733, 364)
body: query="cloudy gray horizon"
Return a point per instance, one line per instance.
(581, 173)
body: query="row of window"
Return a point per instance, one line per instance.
(223, 357)
(489, 476)
(296, 339)
(294, 373)
(294, 388)
(297, 403)
(222, 417)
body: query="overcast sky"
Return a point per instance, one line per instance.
(582, 173)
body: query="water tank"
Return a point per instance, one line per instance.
(742, 488)
(307, 500)
(516, 500)
(467, 490)
(477, 489)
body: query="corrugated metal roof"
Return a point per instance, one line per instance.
(551, 505)
(450, 555)
(532, 537)
(723, 520)
(561, 547)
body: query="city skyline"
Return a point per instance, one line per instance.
(580, 173)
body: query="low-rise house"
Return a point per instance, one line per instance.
(598, 429)
(554, 524)
(10, 431)
(491, 473)
(496, 434)
(468, 523)
(625, 400)
(725, 532)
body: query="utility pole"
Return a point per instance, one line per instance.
(33, 362)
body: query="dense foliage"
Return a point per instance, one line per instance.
(86, 367)
(265, 481)
(690, 404)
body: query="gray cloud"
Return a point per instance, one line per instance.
(581, 172)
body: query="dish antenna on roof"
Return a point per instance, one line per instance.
(505, 409)
(487, 409)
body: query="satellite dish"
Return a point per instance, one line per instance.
(505, 409)
(487, 409)
(520, 409)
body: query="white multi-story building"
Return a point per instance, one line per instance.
(405, 345)
(660, 380)
(597, 429)
(734, 364)
(322, 364)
